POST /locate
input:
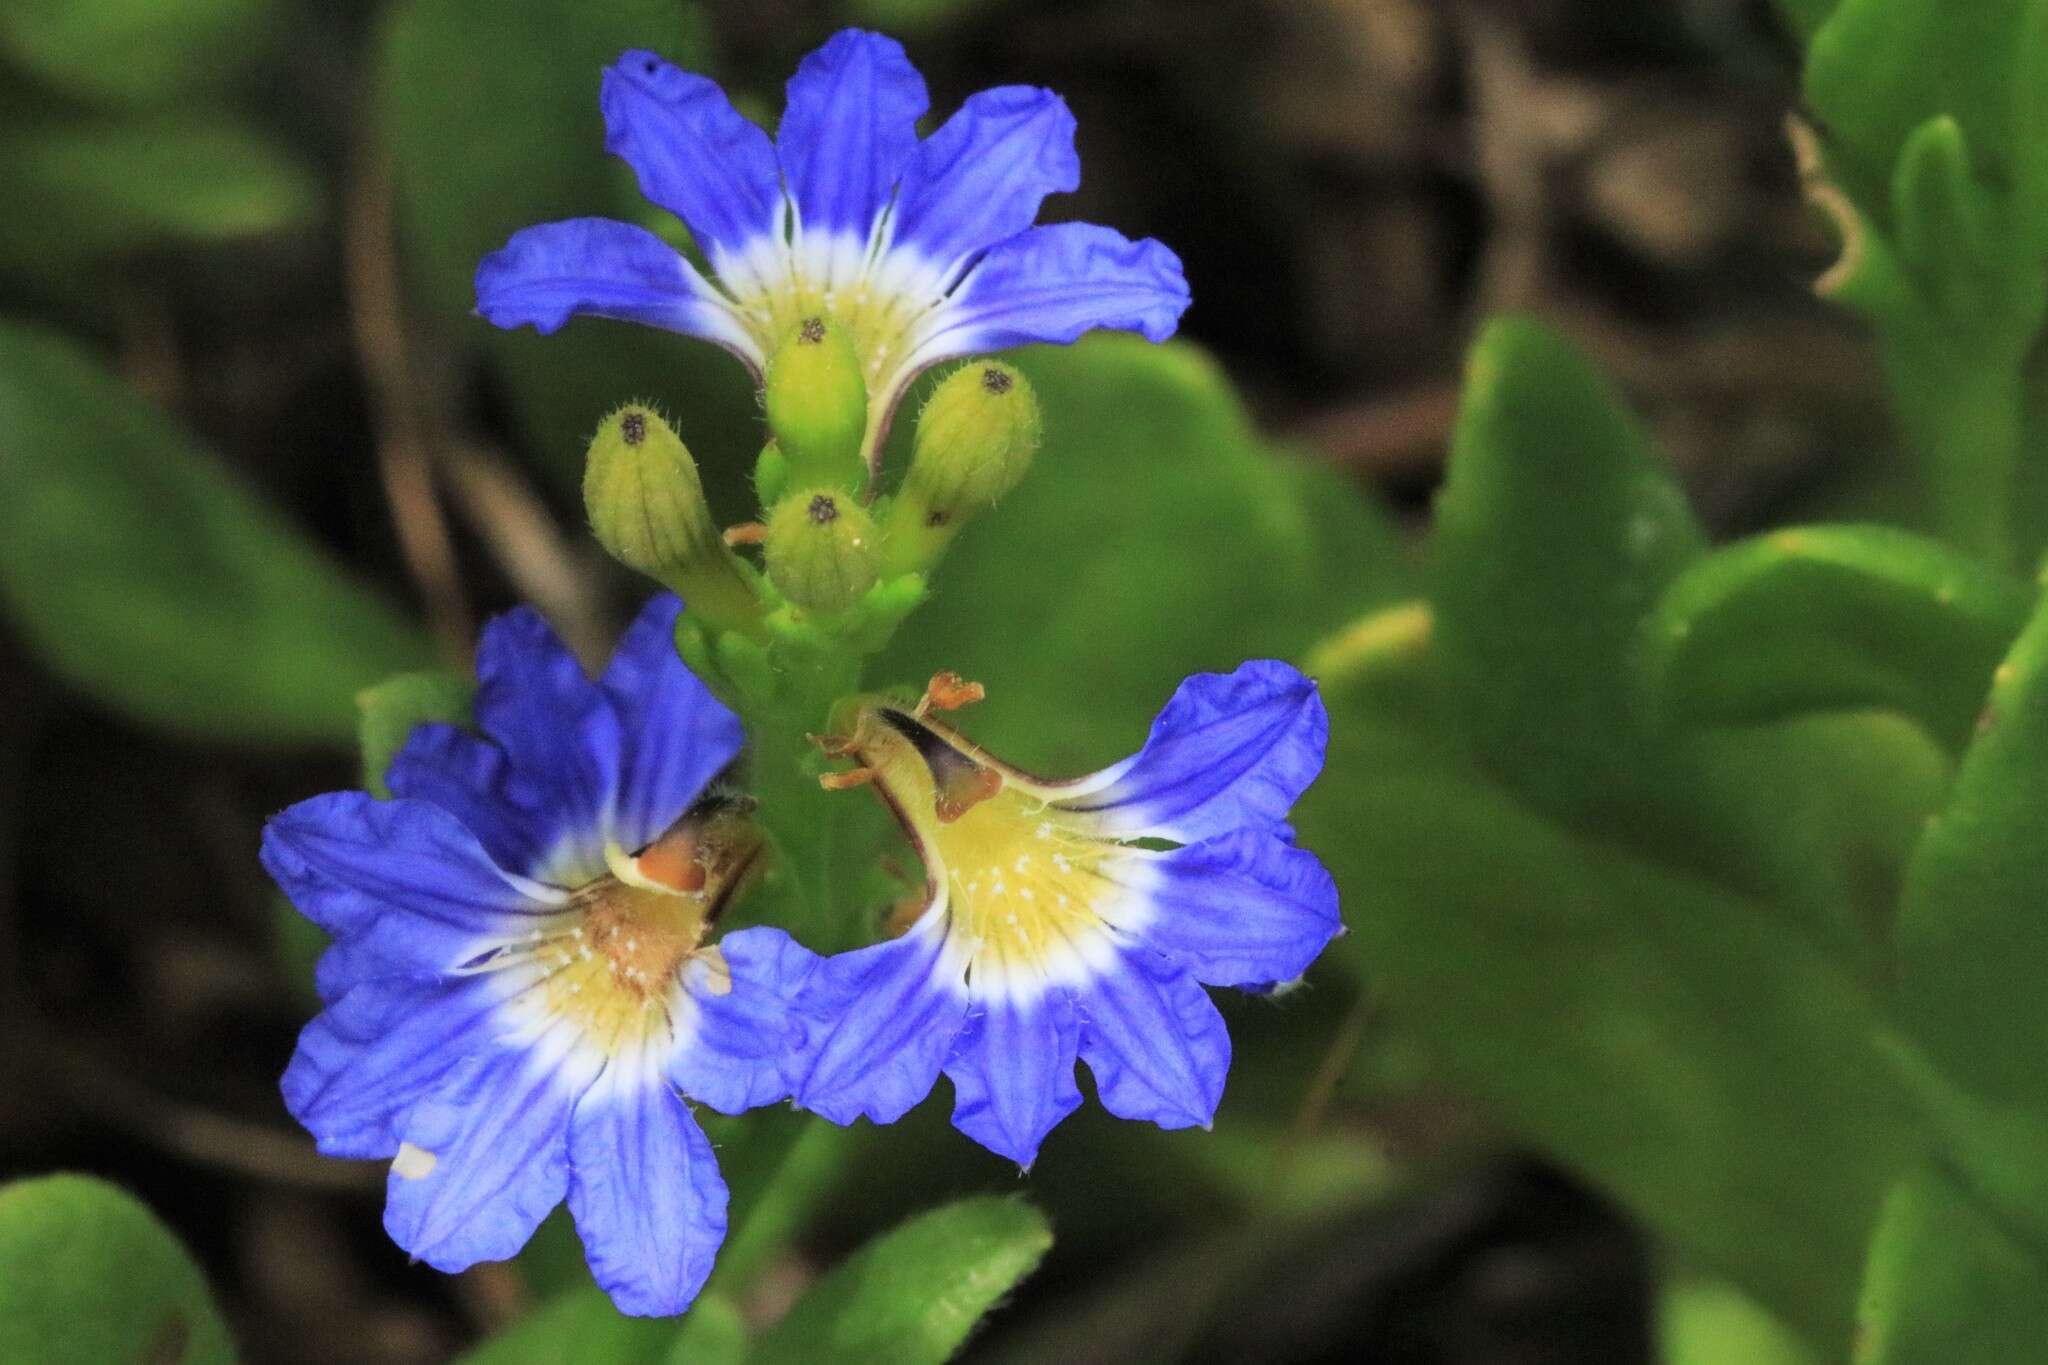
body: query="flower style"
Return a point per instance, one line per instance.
(520, 983)
(924, 249)
(1057, 928)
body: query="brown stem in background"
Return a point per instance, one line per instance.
(404, 454)
(556, 574)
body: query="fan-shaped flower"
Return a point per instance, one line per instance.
(1058, 927)
(924, 249)
(521, 981)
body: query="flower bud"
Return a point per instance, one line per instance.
(646, 507)
(818, 404)
(821, 549)
(975, 440)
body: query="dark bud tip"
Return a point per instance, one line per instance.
(812, 331)
(823, 509)
(994, 380)
(633, 427)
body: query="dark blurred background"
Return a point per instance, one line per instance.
(1352, 184)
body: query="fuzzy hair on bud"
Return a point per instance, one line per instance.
(646, 507)
(821, 549)
(975, 440)
(641, 489)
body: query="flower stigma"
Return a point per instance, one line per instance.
(611, 963)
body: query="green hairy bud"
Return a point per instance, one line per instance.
(818, 404)
(646, 507)
(821, 549)
(975, 440)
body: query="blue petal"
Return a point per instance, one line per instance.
(732, 1059)
(365, 1059)
(344, 965)
(473, 780)
(562, 734)
(1013, 1072)
(1054, 283)
(596, 267)
(646, 1195)
(403, 880)
(1231, 750)
(1245, 909)
(981, 177)
(1154, 1041)
(848, 130)
(873, 1027)
(695, 155)
(497, 1127)
(677, 736)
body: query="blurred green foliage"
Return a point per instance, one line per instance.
(89, 1276)
(147, 574)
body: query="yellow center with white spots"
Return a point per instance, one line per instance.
(1025, 888)
(612, 960)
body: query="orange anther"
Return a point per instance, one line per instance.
(948, 691)
(853, 777)
(746, 533)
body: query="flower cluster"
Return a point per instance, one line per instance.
(528, 987)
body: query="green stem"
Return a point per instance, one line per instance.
(802, 819)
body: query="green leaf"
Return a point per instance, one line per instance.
(132, 51)
(1944, 230)
(1155, 536)
(1948, 1285)
(1704, 1322)
(1878, 69)
(1972, 941)
(1677, 1045)
(1557, 531)
(581, 1324)
(141, 571)
(390, 710)
(911, 1296)
(1831, 617)
(104, 187)
(491, 114)
(88, 1276)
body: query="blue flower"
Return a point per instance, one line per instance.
(1057, 927)
(925, 249)
(519, 984)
